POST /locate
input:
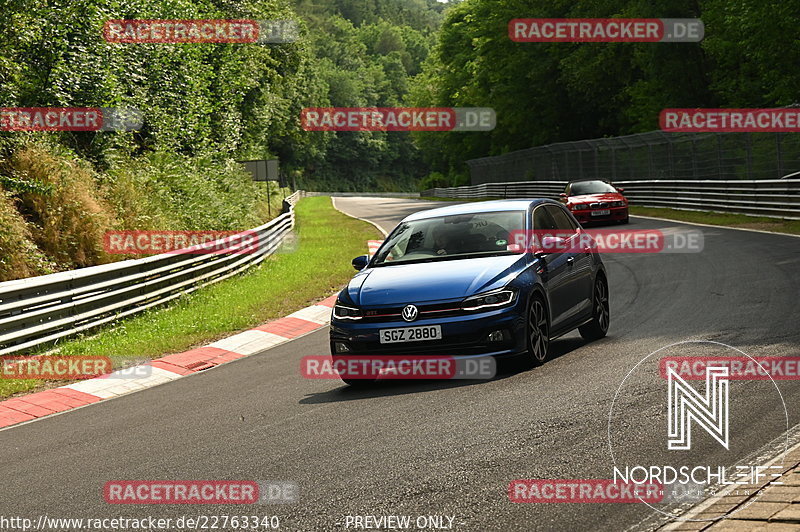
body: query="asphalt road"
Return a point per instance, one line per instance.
(437, 448)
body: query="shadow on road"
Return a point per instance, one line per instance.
(391, 387)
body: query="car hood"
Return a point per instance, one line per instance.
(400, 284)
(591, 198)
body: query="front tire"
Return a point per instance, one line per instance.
(355, 383)
(538, 332)
(598, 327)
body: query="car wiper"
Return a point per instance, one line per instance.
(487, 254)
(412, 261)
(449, 257)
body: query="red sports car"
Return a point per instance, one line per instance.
(593, 200)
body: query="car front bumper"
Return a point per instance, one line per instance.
(464, 335)
(617, 214)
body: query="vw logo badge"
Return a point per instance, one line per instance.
(410, 313)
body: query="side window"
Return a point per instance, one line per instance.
(562, 221)
(542, 221)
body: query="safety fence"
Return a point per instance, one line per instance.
(652, 155)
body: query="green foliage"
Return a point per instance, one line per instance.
(172, 192)
(551, 92)
(207, 105)
(367, 52)
(204, 106)
(439, 180)
(17, 184)
(196, 99)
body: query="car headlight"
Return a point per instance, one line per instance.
(617, 203)
(495, 298)
(580, 207)
(342, 312)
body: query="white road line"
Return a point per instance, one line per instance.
(714, 226)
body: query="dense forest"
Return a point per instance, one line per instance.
(207, 106)
(552, 92)
(366, 54)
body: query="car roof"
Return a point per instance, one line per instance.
(589, 179)
(480, 206)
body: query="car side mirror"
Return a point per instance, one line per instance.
(620, 189)
(550, 244)
(563, 196)
(359, 263)
(553, 242)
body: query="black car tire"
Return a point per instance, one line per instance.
(598, 327)
(537, 332)
(355, 383)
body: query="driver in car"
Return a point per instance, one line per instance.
(443, 240)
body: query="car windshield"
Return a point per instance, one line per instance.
(590, 187)
(456, 236)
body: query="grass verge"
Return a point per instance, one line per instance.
(775, 225)
(319, 266)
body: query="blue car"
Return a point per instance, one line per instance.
(459, 281)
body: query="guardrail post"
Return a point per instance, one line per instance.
(670, 147)
(749, 152)
(613, 163)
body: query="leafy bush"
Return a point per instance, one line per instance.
(433, 180)
(71, 219)
(19, 257)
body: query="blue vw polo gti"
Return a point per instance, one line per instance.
(453, 282)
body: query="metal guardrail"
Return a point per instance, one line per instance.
(366, 194)
(517, 189)
(778, 198)
(43, 309)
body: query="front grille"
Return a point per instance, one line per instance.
(601, 205)
(439, 310)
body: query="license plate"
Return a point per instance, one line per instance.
(411, 334)
(604, 212)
